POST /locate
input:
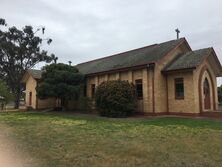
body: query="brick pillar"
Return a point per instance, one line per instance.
(106, 77)
(88, 88)
(117, 76)
(130, 76)
(96, 81)
(145, 90)
(150, 90)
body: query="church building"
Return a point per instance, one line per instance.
(169, 77)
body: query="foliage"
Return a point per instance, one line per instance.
(60, 81)
(116, 98)
(219, 90)
(5, 94)
(19, 50)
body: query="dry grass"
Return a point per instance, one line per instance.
(70, 140)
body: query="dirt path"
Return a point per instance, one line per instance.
(9, 154)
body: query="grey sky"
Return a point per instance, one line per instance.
(83, 30)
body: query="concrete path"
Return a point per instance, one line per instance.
(9, 154)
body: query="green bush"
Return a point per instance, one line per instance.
(115, 99)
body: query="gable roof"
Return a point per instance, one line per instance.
(188, 60)
(36, 74)
(133, 58)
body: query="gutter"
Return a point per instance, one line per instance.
(178, 70)
(149, 64)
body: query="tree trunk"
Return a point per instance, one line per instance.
(17, 97)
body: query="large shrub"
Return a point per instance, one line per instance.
(115, 98)
(60, 81)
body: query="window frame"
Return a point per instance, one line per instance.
(139, 82)
(176, 82)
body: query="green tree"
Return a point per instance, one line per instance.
(5, 94)
(19, 50)
(116, 98)
(60, 81)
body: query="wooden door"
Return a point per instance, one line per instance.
(206, 94)
(30, 98)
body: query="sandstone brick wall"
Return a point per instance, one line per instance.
(30, 87)
(145, 104)
(36, 103)
(160, 80)
(46, 103)
(185, 105)
(124, 76)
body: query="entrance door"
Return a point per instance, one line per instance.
(30, 98)
(206, 88)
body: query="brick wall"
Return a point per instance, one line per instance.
(185, 105)
(145, 104)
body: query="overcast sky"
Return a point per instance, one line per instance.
(83, 30)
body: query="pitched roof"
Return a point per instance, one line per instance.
(141, 56)
(36, 74)
(188, 60)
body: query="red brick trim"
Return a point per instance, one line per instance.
(169, 113)
(217, 115)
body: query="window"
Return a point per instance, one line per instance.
(139, 88)
(179, 88)
(93, 90)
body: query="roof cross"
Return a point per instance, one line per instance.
(178, 32)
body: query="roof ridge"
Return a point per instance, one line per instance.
(118, 54)
(200, 49)
(173, 60)
(34, 69)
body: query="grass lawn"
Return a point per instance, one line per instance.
(64, 140)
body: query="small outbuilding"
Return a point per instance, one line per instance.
(31, 80)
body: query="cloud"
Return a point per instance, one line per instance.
(83, 30)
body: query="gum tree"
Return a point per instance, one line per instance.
(20, 49)
(5, 94)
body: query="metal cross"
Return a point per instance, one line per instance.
(178, 32)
